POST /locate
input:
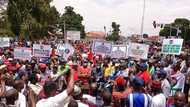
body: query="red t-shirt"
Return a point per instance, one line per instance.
(83, 70)
(145, 76)
(90, 56)
(76, 76)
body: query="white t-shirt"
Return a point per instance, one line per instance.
(57, 101)
(168, 70)
(166, 88)
(21, 100)
(90, 98)
(180, 81)
(158, 101)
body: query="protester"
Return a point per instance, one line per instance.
(158, 99)
(59, 99)
(138, 98)
(107, 99)
(179, 100)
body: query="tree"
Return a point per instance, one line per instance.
(184, 26)
(31, 18)
(114, 36)
(4, 23)
(72, 21)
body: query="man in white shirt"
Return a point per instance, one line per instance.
(165, 85)
(59, 100)
(158, 100)
(19, 85)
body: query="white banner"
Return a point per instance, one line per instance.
(22, 53)
(73, 35)
(65, 50)
(119, 51)
(139, 51)
(102, 47)
(40, 50)
(4, 42)
(172, 46)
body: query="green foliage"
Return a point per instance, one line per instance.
(4, 23)
(184, 26)
(114, 36)
(72, 21)
(30, 18)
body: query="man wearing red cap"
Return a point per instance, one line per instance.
(158, 99)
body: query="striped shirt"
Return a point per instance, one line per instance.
(138, 100)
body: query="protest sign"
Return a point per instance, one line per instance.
(65, 50)
(102, 47)
(119, 51)
(73, 35)
(22, 53)
(139, 51)
(172, 46)
(40, 50)
(4, 42)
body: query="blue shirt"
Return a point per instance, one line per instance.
(138, 100)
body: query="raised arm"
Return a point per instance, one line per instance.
(70, 86)
(2, 90)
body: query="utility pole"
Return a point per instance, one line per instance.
(105, 31)
(65, 32)
(142, 24)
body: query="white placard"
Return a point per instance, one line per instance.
(65, 50)
(4, 42)
(22, 53)
(172, 46)
(40, 50)
(102, 47)
(73, 35)
(119, 51)
(139, 51)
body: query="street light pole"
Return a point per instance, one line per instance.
(142, 24)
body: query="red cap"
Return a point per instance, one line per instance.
(41, 66)
(120, 80)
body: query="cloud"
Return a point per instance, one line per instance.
(128, 13)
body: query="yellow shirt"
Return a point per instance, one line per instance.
(107, 72)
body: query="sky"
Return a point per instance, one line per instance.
(127, 13)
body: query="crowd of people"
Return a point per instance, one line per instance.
(86, 79)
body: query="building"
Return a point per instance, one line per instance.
(96, 35)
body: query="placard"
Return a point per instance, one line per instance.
(139, 51)
(172, 46)
(119, 51)
(73, 35)
(22, 53)
(40, 50)
(65, 50)
(102, 47)
(4, 42)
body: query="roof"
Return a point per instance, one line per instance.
(96, 34)
(153, 38)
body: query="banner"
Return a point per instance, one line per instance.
(119, 51)
(73, 35)
(65, 50)
(22, 53)
(102, 47)
(40, 50)
(4, 42)
(139, 51)
(172, 46)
